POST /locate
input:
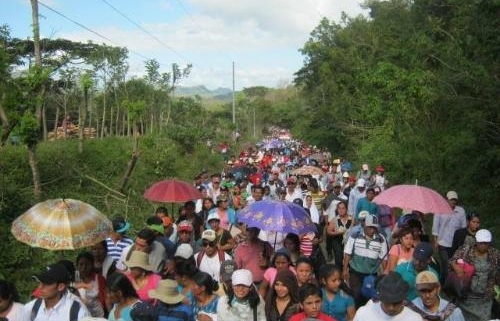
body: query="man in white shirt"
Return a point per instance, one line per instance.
(55, 302)
(444, 227)
(391, 291)
(209, 259)
(355, 195)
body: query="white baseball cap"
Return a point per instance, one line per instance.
(242, 276)
(483, 236)
(452, 195)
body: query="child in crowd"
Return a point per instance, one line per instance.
(304, 270)
(337, 302)
(310, 303)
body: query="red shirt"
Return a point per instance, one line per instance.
(302, 316)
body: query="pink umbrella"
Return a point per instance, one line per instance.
(172, 191)
(414, 197)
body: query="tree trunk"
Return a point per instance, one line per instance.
(132, 161)
(44, 121)
(56, 121)
(128, 125)
(82, 112)
(103, 126)
(117, 123)
(151, 129)
(6, 128)
(37, 186)
(124, 123)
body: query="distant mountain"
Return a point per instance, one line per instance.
(219, 93)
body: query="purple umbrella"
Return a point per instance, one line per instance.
(281, 216)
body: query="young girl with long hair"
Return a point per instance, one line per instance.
(336, 301)
(282, 301)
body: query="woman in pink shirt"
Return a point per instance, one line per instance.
(402, 251)
(141, 275)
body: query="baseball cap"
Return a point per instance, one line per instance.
(55, 273)
(213, 216)
(221, 198)
(209, 235)
(345, 175)
(363, 215)
(371, 220)
(423, 251)
(226, 270)
(426, 280)
(120, 225)
(364, 167)
(452, 195)
(360, 183)
(242, 276)
(185, 226)
(184, 250)
(483, 236)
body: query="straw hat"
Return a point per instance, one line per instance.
(139, 259)
(167, 292)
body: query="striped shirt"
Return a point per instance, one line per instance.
(115, 249)
(365, 254)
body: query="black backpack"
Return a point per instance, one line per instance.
(73, 312)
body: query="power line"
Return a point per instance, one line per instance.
(146, 31)
(90, 30)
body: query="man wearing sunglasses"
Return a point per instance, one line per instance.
(209, 258)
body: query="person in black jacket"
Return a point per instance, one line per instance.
(467, 234)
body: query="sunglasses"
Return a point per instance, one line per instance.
(205, 244)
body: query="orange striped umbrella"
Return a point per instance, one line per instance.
(61, 224)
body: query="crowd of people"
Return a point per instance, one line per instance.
(363, 262)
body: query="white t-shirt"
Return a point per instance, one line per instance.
(16, 312)
(374, 312)
(211, 265)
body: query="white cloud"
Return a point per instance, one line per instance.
(213, 33)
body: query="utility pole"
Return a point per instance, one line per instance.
(234, 113)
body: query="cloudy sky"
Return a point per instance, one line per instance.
(262, 37)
